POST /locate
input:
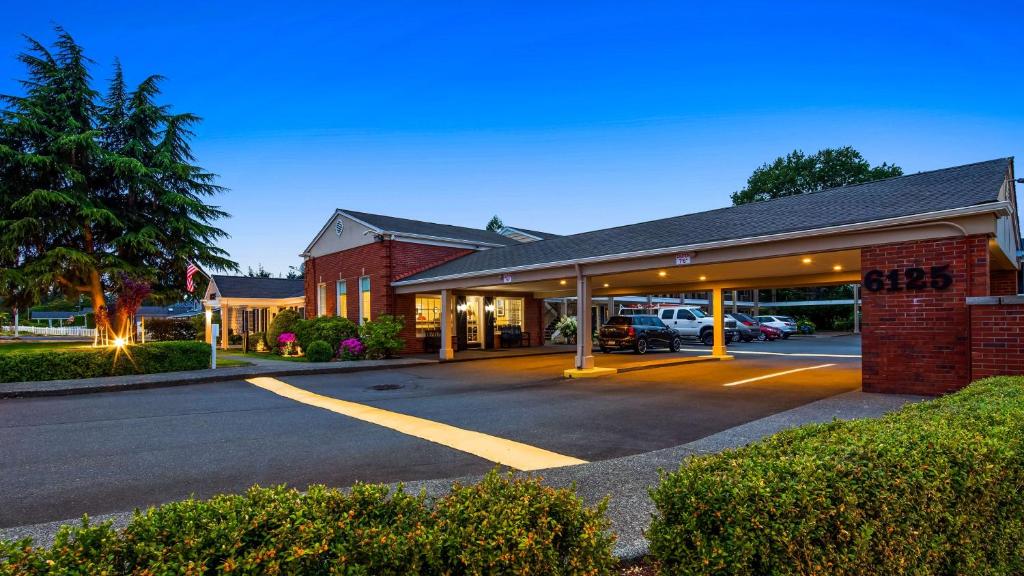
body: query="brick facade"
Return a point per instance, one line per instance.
(1003, 282)
(997, 338)
(385, 262)
(918, 341)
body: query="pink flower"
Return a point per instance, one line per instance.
(286, 338)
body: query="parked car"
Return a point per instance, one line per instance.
(769, 333)
(692, 322)
(747, 327)
(639, 332)
(784, 323)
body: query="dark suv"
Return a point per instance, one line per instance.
(639, 333)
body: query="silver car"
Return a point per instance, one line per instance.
(784, 323)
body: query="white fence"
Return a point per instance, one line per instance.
(55, 331)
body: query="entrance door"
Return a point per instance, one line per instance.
(474, 321)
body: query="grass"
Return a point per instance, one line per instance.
(230, 362)
(263, 355)
(7, 347)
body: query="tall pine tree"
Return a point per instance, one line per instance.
(99, 193)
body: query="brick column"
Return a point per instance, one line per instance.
(1003, 282)
(918, 341)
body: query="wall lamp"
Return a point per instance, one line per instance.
(462, 307)
(489, 308)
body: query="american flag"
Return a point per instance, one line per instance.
(189, 272)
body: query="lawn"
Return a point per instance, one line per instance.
(261, 355)
(8, 346)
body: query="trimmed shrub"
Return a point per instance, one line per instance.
(381, 337)
(330, 329)
(319, 351)
(932, 489)
(166, 329)
(506, 526)
(146, 358)
(502, 526)
(285, 321)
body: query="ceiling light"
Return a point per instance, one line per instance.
(605, 284)
(806, 260)
(703, 277)
(662, 273)
(837, 267)
(562, 282)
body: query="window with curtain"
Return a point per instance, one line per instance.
(364, 299)
(321, 300)
(342, 300)
(508, 311)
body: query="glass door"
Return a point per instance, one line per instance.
(474, 321)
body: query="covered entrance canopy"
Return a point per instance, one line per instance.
(249, 303)
(961, 222)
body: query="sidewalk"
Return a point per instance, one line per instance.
(625, 480)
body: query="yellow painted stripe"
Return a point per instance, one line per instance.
(776, 374)
(506, 452)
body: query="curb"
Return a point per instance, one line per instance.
(33, 389)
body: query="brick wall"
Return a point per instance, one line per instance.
(997, 337)
(918, 341)
(1003, 282)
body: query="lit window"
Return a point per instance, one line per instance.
(428, 314)
(364, 299)
(508, 312)
(342, 300)
(321, 299)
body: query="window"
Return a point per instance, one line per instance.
(428, 314)
(342, 301)
(697, 312)
(667, 314)
(508, 311)
(684, 315)
(364, 299)
(321, 299)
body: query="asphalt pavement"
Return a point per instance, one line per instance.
(108, 452)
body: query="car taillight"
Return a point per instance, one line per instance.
(631, 332)
(748, 323)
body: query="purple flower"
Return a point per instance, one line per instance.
(351, 348)
(286, 338)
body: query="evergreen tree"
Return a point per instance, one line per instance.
(494, 224)
(98, 194)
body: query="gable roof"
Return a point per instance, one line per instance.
(900, 196)
(406, 226)
(511, 232)
(246, 287)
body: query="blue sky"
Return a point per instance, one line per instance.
(561, 118)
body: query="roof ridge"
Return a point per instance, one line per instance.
(415, 220)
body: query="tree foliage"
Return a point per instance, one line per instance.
(798, 173)
(97, 190)
(494, 224)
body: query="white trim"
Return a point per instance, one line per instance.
(999, 208)
(338, 212)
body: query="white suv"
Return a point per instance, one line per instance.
(692, 322)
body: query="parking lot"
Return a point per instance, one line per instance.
(99, 453)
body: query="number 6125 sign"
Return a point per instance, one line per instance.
(936, 278)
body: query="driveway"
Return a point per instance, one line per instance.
(98, 453)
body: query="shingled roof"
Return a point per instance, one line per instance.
(246, 287)
(419, 228)
(900, 196)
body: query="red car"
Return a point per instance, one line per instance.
(769, 333)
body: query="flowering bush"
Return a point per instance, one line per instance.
(287, 342)
(351, 349)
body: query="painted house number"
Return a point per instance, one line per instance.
(936, 278)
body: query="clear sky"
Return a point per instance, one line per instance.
(561, 118)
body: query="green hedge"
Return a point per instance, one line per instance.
(104, 361)
(170, 329)
(319, 351)
(500, 526)
(936, 488)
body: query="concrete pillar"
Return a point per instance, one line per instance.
(718, 349)
(584, 329)
(208, 315)
(225, 325)
(447, 324)
(856, 308)
(611, 306)
(735, 305)
(757, 303)
(650, 302)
